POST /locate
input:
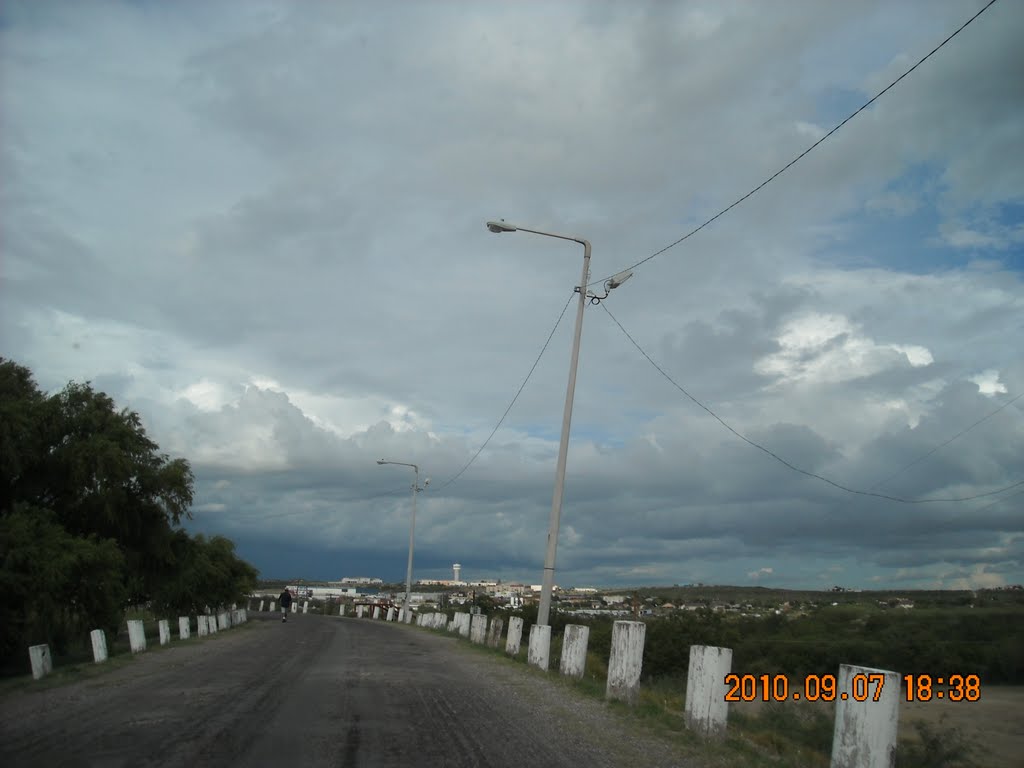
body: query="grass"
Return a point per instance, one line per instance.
(782, 735)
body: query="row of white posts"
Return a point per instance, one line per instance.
(207, 624)
(295, 607)
(865, 730)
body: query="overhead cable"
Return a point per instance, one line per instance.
(781, 460)
(458, 474)
(807, 151)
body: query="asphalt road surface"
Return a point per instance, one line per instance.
(320, 691)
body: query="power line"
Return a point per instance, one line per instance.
(997, 501)
(962, 432)
(519, 392)
(782, 460)
(807, 151)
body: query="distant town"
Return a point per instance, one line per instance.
(430, 594)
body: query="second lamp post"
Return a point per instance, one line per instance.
(406, 615)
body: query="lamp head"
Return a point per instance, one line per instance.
(500, 226)
(381, 461)
(616, 280)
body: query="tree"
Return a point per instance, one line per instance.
(90, 520)
(56, 586)
(95, 467)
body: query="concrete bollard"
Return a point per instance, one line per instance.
(273, 605)
(540, 646)
(341, 609)
(515, 635)
(706, 711)
(295, 606)
(164, 626)
(99, 645)
(184, 631)
(136, 635)
(626, 660)
(376, 611)
(202, 628)
(223, 622)
(494, 632)
(390, 616)
(262, 603)
(462, 623)
(574, 650)
(440, 621)
(359, 611)
(477, 629)
(211, 622)
(865, 730)
(305, 607)
(42, 662)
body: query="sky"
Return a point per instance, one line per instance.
(261, 225)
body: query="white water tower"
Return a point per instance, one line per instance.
(457, 570)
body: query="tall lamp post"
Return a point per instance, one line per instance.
(407, 617)
(563, 448)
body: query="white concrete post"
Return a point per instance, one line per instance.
(222, 621)
(440, 621)
(376, 611)
(341, 609)
(202, 628)
(477, 629)
(494, 632)
(706, 711)
(99, 645)
(305, 607)
(211, 622)
(574, 650)
(865, 731)
(463, 623)
(273, 605)
(295, 606)
(515, 636)
(359, 611)
(136, 635)
(184, 631)
(627, 657)
(165, 631)
(390, 615)
(42, 662)
(540, 646)
(262, 603)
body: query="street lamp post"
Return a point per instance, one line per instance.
(563, 447)
(412, 532)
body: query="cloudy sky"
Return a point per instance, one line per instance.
(261, 225)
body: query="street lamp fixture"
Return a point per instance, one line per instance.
(407, 616)
(547, 585)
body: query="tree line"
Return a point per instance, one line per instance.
(91, 517)
(986, 640)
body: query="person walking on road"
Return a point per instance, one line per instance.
(286, 603)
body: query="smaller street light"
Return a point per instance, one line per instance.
(412, 531)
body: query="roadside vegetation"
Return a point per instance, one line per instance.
(91, 520)
(983, 636)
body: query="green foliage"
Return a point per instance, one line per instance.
(90, 516)
(57, 586)
(938, 746)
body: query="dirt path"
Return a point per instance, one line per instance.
(319, 691)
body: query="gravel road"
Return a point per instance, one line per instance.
(320, 691)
